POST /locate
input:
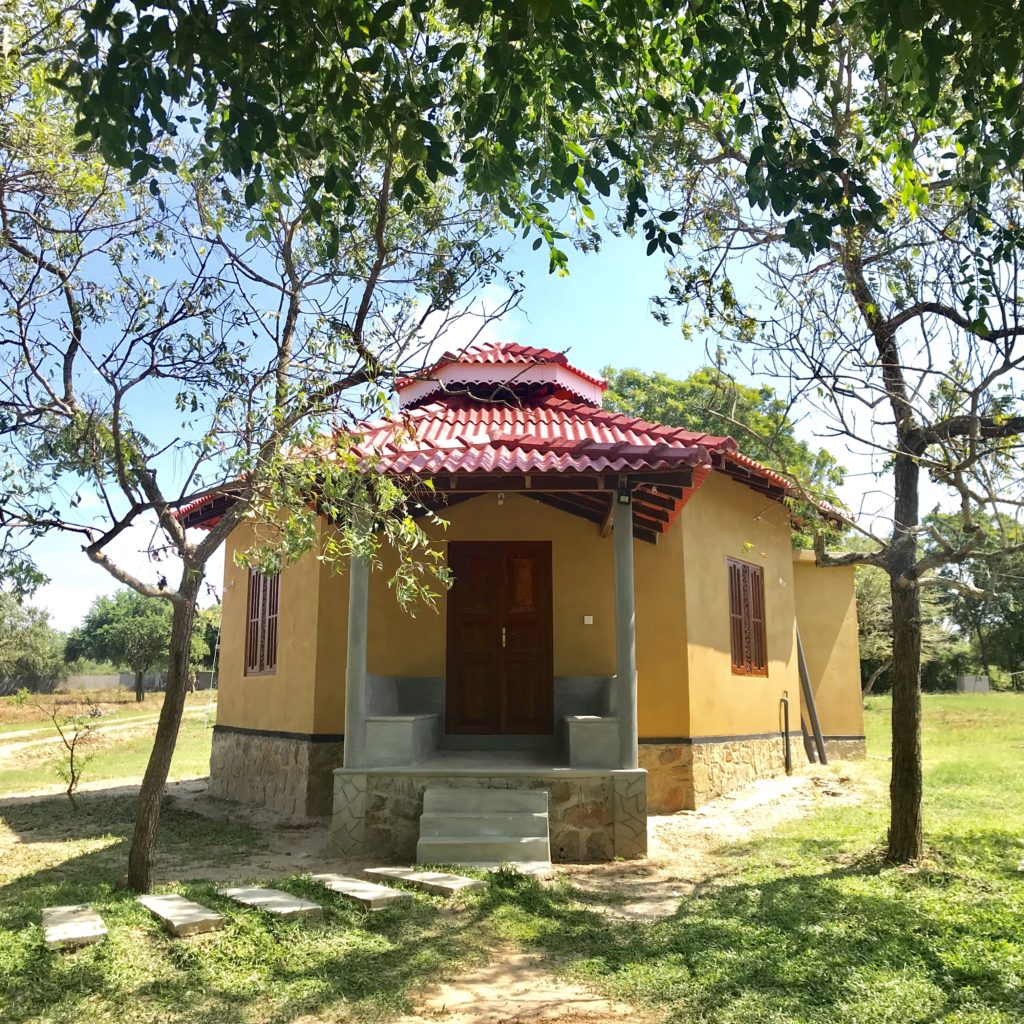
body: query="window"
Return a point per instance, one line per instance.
(261, 631)
(746, 619)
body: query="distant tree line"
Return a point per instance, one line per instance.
(123, 630)
(31, 650)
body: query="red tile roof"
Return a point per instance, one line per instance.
(501, 353)
(458, 434)
(544, 430)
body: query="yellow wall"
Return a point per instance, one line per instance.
(686, 685)
(314, 603)
(722, 520)
(283, 700)
(826, 611)
(582, 583)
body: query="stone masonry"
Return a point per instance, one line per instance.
(594, 816)
(290, 774)
(685, 776)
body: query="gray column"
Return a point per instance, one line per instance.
(355, 663)
(625, 632)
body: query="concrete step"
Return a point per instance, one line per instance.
(73, 926)
(470, 823)
(482, 849)
(182, 917)
(273, 901)
(438, 883)
(475, 800)
(368, 895)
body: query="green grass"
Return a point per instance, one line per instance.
(808, 924)
(116, 706)
(350, 966)
(119, 756)
(804, 924)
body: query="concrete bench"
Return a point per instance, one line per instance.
(398, 740)
(592, 740)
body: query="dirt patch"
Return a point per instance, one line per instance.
(515, 987)
(102, 703)
(289, 845)
(686, 848)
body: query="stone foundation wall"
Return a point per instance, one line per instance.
(846, 748)
(721, 767)
(684, 776)
(592, 817)
(290, 774)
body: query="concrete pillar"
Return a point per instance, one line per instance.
(625, 632)
(355, 663)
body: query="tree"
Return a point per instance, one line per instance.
(711, 401)
(886, 293)
(132, 631)
(987, 592)
(155, 352)
(31, 651)
(874, 624)
(542, 102)
(75, 730)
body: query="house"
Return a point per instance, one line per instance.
(621, 632)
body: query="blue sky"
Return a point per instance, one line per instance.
(600, 314)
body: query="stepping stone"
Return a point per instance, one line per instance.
(68, 927)
(182, 917)
(436, 882)
(367, 894)
(273, 901)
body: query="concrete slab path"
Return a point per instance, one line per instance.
(273, 901)
(72, 926)
(438, 883)
(182, 917)
(368, 895)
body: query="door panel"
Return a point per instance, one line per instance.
(499, 675)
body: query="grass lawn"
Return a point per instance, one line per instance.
(119, 754)
(803, 924)
(112, 705)
(259, 969)
(807, 924)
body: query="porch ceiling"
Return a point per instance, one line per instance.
(657, 498)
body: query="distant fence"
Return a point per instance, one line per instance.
(972, 684)
(91, 683)
(126, 680)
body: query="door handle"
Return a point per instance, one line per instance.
(503, 638)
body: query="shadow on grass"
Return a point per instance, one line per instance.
(853, 943)
(258, 968)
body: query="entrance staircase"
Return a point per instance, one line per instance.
(484, 828)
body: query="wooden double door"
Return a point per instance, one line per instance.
(499, 673)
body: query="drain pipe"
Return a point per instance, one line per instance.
(785, 731)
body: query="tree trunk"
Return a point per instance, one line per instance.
(147, 813)
(140, 690)
(875, 676)
(906, 841)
